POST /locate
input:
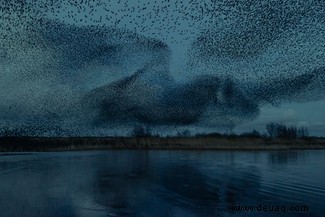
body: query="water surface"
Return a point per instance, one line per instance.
(161, 183)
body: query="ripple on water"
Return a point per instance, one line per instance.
(158, 184)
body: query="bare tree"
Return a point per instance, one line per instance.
(277, 130)
(140, 131)
(271, 129)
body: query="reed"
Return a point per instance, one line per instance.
(36, 144)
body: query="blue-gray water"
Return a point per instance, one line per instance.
(160, 183)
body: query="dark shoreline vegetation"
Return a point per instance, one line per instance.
(278, 137)
(40, 144)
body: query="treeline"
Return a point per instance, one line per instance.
(273, 131)
(278, 130)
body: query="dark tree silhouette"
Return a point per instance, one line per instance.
(277, 130)
(141, 131)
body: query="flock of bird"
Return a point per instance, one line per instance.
(169, 20)
(230, 46)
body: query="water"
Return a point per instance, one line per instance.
(160, 183)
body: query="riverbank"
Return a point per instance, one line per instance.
(23, 144)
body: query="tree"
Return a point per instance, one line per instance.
(141, 131)
(255, 133)
(271, 129)
(252, 134)
(303, 132)
(184, 133)
(277, 130)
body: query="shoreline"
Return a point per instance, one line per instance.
(52, 144)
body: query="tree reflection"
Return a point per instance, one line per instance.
(282, 158)
(138, 183)
(145, 188)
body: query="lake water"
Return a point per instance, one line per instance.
(162, 183)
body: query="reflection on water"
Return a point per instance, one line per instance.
(285, 157)
(159, 183)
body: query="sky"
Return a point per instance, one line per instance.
(102, 67)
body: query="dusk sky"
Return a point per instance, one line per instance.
(105, 66)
